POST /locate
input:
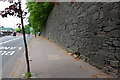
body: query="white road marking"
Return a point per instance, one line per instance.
(20, 48)
(12, 48)
(3, 52)
(10, 40)
(6, 48)
(7, 52)
(12, 52)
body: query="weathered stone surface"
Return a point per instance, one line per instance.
(112, 70)
(114, 63)
(107, 6)
(91, 30)
(116, 43)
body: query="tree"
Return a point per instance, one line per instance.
(19, 30)
(27, 29)
(15, 10)
(39, 13)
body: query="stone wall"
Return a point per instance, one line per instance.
(91, 30)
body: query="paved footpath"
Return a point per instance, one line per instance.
(51, 61)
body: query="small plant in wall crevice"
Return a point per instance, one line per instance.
(69, 50)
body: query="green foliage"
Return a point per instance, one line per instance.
(69, 50)
(18, 30)
(39, 12)
(27, 75)
(27, 29)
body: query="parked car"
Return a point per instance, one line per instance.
(14, 33)
(2, 34)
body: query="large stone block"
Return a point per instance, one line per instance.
(116, 43)
(95, 16)
(114, 14)
(114, 63)
(107, 6)
(113, 70)
(114, 34)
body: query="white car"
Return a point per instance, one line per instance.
(1, 34)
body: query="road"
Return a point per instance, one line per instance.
(11, 49)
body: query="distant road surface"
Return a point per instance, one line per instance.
(11, 49)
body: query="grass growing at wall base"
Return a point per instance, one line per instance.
(27, 75)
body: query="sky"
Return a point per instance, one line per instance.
(10, 21)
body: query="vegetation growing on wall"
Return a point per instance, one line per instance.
(39, 11)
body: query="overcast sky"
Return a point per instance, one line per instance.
(10, 21)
